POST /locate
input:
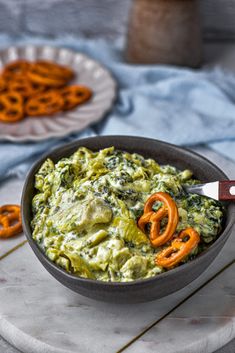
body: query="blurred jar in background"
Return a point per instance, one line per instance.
(164, 32)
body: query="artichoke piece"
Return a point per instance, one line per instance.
(96, 167)
(79, 265)
(53, 254)
(96, 238)
(82, 215)
(40, 200)
(129, 231)
(83, 154)
(120, 257)
(102, 258)
(135, 267)
(46, 169)
(96, 212)
(185, 175)
(63, 262)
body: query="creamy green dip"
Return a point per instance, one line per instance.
(86, 209)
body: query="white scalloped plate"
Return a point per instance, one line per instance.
(88, 72)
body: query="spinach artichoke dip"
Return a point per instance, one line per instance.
(86, 211)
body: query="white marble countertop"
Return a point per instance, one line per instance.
(40, 315)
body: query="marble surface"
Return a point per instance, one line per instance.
(199, 325)
(40, 315)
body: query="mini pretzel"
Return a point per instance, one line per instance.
(14, 68)
(3, 84)
(50, 74)
(149, 216)
(50, 68)
(24, 86)
(10, 220)
(75, 95)
(11, 107)
(178, 250)
(37, 89)
(46, 80)
(47, 103)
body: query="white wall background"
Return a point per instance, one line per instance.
(100, 18)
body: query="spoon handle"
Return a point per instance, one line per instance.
(227, 190)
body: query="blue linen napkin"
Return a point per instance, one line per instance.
(177, 105)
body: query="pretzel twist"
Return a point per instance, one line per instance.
(46, 80)
(154, 218)
(15, 68)
(3, 84)
(50, 68)
(47, 103)
(75, 95)
(10, 220)
(49, 74)
(179, 249)
(22, 85)
(38, 89)
(11, 107)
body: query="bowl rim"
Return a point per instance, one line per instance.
(39, 253)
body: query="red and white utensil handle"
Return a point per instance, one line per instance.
(227, 190)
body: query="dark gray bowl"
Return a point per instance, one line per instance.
(140, 290)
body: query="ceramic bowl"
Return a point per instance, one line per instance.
(139, 290)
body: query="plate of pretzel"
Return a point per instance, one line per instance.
(48, 92)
